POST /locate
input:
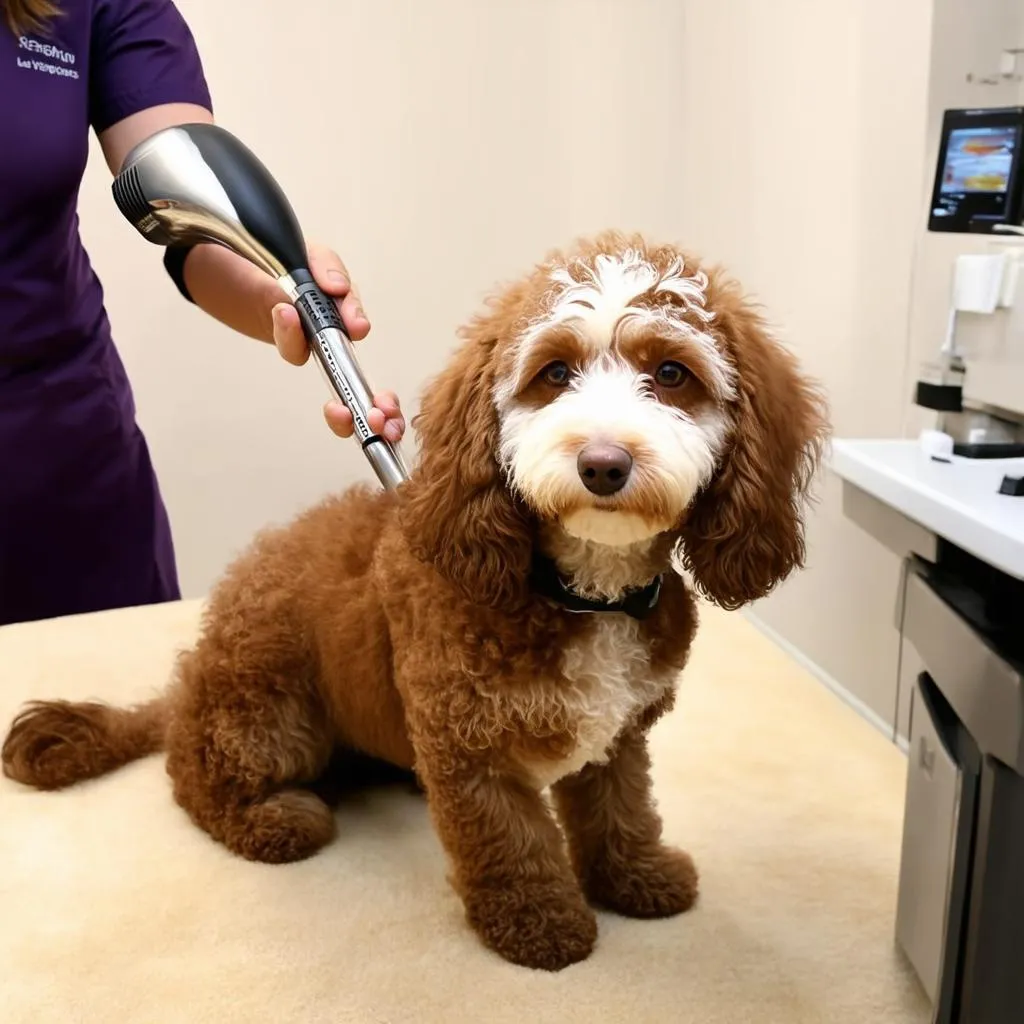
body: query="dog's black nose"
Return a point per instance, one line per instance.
(604, 468)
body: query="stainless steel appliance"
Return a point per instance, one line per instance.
(960, 912)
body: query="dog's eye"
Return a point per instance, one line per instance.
(556, 374)
(671, 374)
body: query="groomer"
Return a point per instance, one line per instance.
(82, 522)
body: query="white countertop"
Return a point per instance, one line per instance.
(958, 500)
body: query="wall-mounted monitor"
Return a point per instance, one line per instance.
(978, 174)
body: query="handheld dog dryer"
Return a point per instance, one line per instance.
(198, 183)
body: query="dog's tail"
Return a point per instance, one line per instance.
(53, 744)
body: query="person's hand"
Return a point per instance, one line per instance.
(330, 274)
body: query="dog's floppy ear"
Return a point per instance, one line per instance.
(457, 512)
(744, 533)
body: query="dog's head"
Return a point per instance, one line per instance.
(623, 393)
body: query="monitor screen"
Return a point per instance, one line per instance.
(978, 177)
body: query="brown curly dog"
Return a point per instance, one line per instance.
(509, 623)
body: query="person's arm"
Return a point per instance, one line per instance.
(239, 295)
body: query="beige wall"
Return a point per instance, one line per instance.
(440, 147)
(817, 206)
(443, 146)
(879, 281)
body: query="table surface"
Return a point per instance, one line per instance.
(958, 500)
(118, 910)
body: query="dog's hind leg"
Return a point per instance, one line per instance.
(248, 733)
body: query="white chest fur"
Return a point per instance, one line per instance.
(607, 681)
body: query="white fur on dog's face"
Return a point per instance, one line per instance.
(613, 324)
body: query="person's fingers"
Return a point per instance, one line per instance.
(377, 420)
(328, 271)
(394, 421)
(288, 336)
(353, 316)
(385, 418)
(338, 418)
(394, 430)
(387, 402)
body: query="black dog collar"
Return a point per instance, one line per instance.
(547, 581)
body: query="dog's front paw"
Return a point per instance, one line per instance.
(658, 883)
(546, 927)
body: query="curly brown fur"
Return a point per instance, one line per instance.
(744, 534)
(403, 627)
(614, 836)
(53, 744)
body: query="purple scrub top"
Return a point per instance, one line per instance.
(82, 522)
